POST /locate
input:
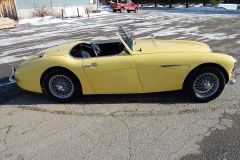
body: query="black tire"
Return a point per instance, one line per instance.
(128, 11)
(205, 84)
(65, 90)
(122, 10)
(114, 10)
(136, 10)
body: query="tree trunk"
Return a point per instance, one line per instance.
(204, 3)
(170, 3)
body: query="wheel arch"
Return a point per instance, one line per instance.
(226, 76)
(53, 68)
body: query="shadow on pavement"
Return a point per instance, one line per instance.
(19, 96)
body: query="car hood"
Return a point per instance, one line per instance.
(155, 46)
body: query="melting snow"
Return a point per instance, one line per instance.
(164, 24)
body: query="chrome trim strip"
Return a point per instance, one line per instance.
(171, 65)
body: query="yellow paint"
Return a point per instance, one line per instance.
(113, 74)
(156, 78)
(32, 70)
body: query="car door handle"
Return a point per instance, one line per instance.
(90, 65)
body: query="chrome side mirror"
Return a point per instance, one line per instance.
(152, 37)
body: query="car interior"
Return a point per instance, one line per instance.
(87, 50)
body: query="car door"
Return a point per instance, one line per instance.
(161, 71)
(125, 5)
(131, 6)
(112, 74)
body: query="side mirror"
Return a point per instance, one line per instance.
(152, 37)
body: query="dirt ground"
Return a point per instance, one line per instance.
(138, 126)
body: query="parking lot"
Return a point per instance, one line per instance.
(164, 125)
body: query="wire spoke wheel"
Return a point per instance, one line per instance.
(61, 86)
(206, 85)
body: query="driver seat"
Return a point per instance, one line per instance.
(96, 49)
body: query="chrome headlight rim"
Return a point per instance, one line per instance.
(234, 67)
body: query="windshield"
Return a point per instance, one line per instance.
(115, 1)
(126, 38)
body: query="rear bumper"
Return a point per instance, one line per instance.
(12, 78)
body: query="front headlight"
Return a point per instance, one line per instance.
(235, 63)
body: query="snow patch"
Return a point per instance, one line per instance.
(229, 6)
(51, 20)
(217, 36)
(173, 31)
(9, 59)
(34, 37)
(102, 38)
(46, 45)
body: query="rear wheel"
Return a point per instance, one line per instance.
(205, 84)
(61, 85)
(136, 10)
(128, 11)
(122, 10)
(114, 10)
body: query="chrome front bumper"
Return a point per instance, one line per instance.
(12, 78)
(232, 82)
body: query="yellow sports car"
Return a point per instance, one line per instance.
(71, 69)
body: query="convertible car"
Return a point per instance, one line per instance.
(66, 71)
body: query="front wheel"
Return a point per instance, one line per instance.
(128, 11)
(136, 10)
(114, 10)
(205, 84)
(61, 85)
(122, 10)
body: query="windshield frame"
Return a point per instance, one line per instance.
(125, 39)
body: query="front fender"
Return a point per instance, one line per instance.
(28, 75)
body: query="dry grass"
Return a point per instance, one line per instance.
(41, 12)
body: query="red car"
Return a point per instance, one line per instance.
(124, 5)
